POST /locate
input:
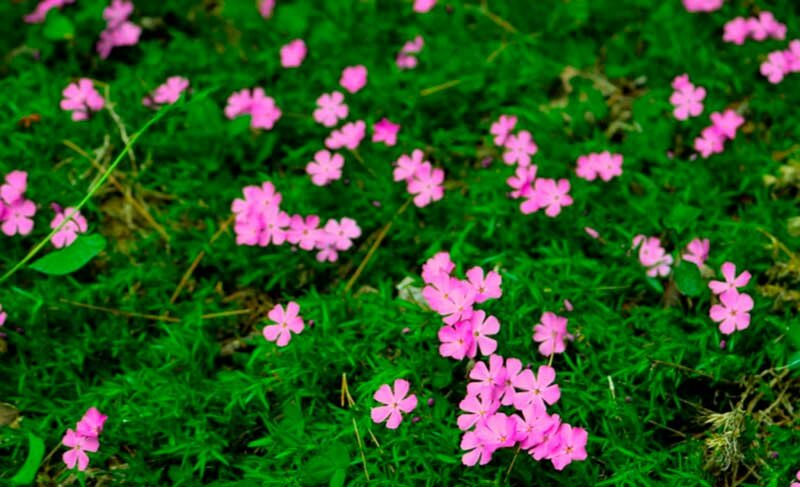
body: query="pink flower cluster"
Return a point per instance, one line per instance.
(653, 256)
(348, 136)
(758, 28)
(723, 128)
(119, 31)
(167, 93)
(396, 401)
(81, 98)
(541, 193)
(466, 330)
(551, 332)
(604, 164)
(504, 382)
(697, 251)
(687, 99)
(39, 14)
(84, 438)
(424, 182)
(75, 225)
(733, 311)
(781, 63)
(287, 321)
(353, 78)
(260, 221)
(702, 5)
(16, 212)
(293, 54)
(406, 59)
(261, 108)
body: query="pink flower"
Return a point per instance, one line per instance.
(117, 12)
(303, 232)
(15, 187)
(487, 287)
(118, 32)
(591, 232)
(552, 195)
(92, 422)
(405, 61)
(653, 256)
(423, 6)
(771, 26)
(342, 233)
(710, 142)
(451, 298)
(413, 46)
(261, 108)
(702, 5)
(353, 78)
(550, 440)
(477, 450)
(349, 136)
(736, 31)
(522, 181)
(325, 167)
(426, 185)
(479, 407)
(487, 380)
(18, 217)
(396, 402)
(40, 12)
(604, 164)
(681, 83)
(274, 224)
(792, 56)
(536, 390)
(168, 93)
(697, 251)
(385, 131)
(287, 321)
(688, 102)
(571, 446)
(520, 148)
(482, 327)
(734, 311)
(502, 128)
(437, 265)
(732, 281)
(498, 431)
(256, 199)
(76, 224)
(727, 123)
(456, 341)
(3, 316)
(331, 109)
(775, 67)
(797, 476)
(266, 7)
(81, 98)
(550, 333)
(293, 53)
(79, 446)
(506, 391)
(407, 166)
(532, 426)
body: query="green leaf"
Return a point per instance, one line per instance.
(72, 258)
(794, 361)
(681, 217)
(57, 27)
(27, 474)
(325, 464)
(338, 478)
(689, 280)
(794, 335)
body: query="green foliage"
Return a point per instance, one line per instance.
(72, 258)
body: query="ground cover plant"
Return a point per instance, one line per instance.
(400, 242)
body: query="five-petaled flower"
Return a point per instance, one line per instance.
(733, 312)
(287, 321)
(396, 401)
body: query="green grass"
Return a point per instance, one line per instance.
(207, 401)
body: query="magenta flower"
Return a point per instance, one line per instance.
(736, 31)
(487, 380)
(603, 164)
(261, 108)
(710, 142)
(702, 5)
(256, 199)
(498, 431)
(287, 321)
(293, 53)
(479, 407)
(456, 341)
(552, 195)
(92, 423)
(571, 446)
(536, 389)
(532, 426)
(734, 311)
(119, 31)
(413, 46)
(688, 102)
(482, 327)
(15, 186)
(522, 182)
(76, 224)
(406, 61)
(397, 401)
(385, 131)
(331, 109)
(502, 128)
(342, 233)
(451, 298)
(353, 78)
(550, 333)
(274, 224)
(81, 98)
(486, 287)
(732, 281)
(423, 6)
(681, 82)
(168, 93)
(437, 265)
(507, 392)
(18, 218)
(774, 29)
(266, 7)
(520, 148)
(697, 251)
(775, 67)
(653, 256)
(325, 167)
(476, 450)
(40, 12)
(426, 185)
(303, 232)
(349, 136)
(79, 446)
(406, 166)
(727, 123)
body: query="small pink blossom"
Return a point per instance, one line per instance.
(437, 265)
(413, 46)
(502, 128)
(456, 340)
(591, 232)
(325, 167)
(571, 446)
(303, 232)
(261, 108)
(710, 142)
(353, 78)
(349, 135)
(487, 380)
(537, 390)
(498, 431)
(733, 312)
(426, 185)
(775, 67)
(702, 5)
(293, 53)
(78, 445)
(603, 164)
(479, 407)
(522, 181)
(653, 256)
(39, 14)
(732, 281)
(81, 98)
(476, 450)
(681, 83)
(273, 225)
(736, 31)
(688, 102)
(552, 195)
(423, 6)
(92, 422)
(385, 131)
(331, 109)
(520, 148)
(771, 26)
(406, 166)
(486, 286)
(287, 321)
(15, 186)
(697, 251)
(550, 333)
(119, 31)
(396, 401)
(18, 217)
(75, 225)
(168, 93)
(266, 7)
(482, 327)
(727, 123)
(405, 61)
(342, 233)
